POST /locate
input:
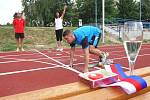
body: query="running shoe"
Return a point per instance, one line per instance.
(103, 58)
(17, 50)
(22, 49)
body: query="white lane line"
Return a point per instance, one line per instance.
(15, 72)
(28, 60)
(124, 50)
(23, 59)
(63, 65)
(19, 55)
(16, 55)
(78, 63)
(30, 70)
(126, 57)
(65, 52)
(120, 46)
(35, 60)
(79, 55)
(38, 69)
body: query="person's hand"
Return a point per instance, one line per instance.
(65, 7)
(85, 70)
(71, 65)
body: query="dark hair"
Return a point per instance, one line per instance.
(55, 15)
(66, 32)
(15, 15)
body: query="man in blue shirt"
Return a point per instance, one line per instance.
(88, 37)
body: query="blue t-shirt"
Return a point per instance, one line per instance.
(85, 34)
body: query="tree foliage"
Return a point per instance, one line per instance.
(128, 9)
(145, 9)
(41, 12)
(86, 10)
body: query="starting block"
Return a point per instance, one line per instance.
(98, 78)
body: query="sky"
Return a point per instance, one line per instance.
(7, 9)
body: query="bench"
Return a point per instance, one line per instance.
(109, 93)
(145, 96)
(78, 91)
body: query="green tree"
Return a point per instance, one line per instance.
(145, 9)
(128, 9)
(41, 12)
(86, 10)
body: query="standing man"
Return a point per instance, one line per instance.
(88, 37)
(59, 28)
(19, 25)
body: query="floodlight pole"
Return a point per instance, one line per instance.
(96, 13)
(140, 10)
(103, 19)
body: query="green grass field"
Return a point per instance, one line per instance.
(37, 37)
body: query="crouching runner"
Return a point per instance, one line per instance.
(88, 37)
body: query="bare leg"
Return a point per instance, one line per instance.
(86, 58)
(95, 51)
(21, 44)
(61, 47)
(17, 42)
(57, 45)
(102, 55)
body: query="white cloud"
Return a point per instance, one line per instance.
(7, 9)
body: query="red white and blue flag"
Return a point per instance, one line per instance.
(130, 84)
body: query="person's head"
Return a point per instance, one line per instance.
(19, 15)
(68, 36)
(57, 14)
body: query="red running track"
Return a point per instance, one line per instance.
(28, 71)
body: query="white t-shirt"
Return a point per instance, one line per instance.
(58, 23)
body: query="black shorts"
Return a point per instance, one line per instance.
(19, 35)
(59, 34)
(95, 40)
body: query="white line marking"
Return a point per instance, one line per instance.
(18, 55)
(124, 50)
(31, 53)
(24, 59)
(30, 70)
(126, 57)
(65, 52)
(28, 60)
(35, 60)
(58, 54)
(79, 55)
(63, 65)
